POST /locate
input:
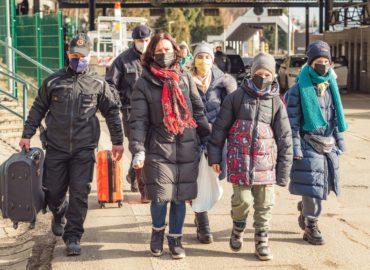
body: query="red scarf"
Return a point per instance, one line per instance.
(176, 112)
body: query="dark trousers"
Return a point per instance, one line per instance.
(126, 112)
(73, 172)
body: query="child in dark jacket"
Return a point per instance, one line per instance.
(316, 116)
(254, 121)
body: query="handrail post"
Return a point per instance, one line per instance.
(61, 40)
(25, 90)
(38, 45)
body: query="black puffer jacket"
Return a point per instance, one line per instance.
(257, 111)
(171, 163)
(221, 85)
(123, 74)
(70, 102)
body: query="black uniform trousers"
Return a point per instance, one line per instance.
(135, 175)
(73, 172)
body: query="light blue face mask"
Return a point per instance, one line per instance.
(78, 65)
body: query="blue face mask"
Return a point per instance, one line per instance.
(78, 65)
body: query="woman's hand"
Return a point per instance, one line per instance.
(216, 168)
(138, 161)
(138, 165)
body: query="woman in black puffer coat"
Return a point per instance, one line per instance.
(167, 126)
(213, 86)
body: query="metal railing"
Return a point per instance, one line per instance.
(25, 92)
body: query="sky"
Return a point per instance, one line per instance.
(300, 13)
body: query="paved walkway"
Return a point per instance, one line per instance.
(118, 238)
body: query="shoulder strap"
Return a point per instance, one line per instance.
(275, 108)
(240, 105)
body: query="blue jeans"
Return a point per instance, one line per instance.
(158, 211)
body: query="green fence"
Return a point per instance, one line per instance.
(41, 38)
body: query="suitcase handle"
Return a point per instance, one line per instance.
(114, 165)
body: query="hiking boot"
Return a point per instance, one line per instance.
(144, 200)
(59, 221)
(156, 242)
(236, 238)
(176, 248)
(312, 233)
(57, 225)
(134, 186)
(301, 222)
(204, 235)
(73, 247)
(263, 251)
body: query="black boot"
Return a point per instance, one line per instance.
(131, 179)
(58, 221)
(301, 222)
(176, 248)
(236, 238)
(263, 251)
(312, 233)
(203, 231)
(73, 247)
(156, 242)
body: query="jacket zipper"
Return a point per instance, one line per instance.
(254, 136)
(71, 97)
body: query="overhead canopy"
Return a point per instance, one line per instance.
(199, 3)
(245, 26)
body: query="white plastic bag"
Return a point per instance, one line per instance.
(209, 188)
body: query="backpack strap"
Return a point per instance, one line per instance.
(275, 108)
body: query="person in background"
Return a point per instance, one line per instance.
(213, 86)
(222, 61)
(317, 120)
(122, 76)
(167, 123)
(254, 121)
(69, 100)
(185, 53)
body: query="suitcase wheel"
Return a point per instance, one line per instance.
(15, 225)
(102, 205)
(119, 204)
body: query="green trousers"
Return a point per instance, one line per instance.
(262, 198)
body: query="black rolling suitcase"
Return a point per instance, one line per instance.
(22, 196)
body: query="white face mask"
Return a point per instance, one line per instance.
(141, 46)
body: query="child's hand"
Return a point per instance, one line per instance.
(298, 157)
(216, 168)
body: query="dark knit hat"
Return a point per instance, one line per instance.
(263, 60)
(318, 49)
(141, 31)
(80, 44)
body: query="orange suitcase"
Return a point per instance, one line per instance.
(108, 173)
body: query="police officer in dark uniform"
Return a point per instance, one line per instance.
(123, 74)
(70, 99)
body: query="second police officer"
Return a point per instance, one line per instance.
(122, 76)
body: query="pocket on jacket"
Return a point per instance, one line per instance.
(87, 104)
(59, 103)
